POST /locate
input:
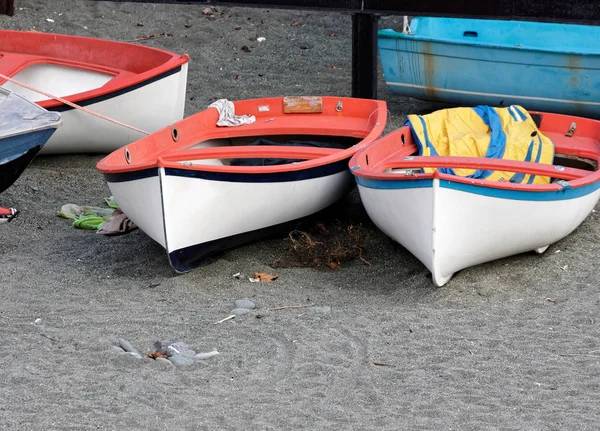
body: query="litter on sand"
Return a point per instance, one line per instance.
(105, 221)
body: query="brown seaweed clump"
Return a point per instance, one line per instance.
(324, 246)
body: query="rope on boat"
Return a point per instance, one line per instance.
(388, 115)
(73, 105)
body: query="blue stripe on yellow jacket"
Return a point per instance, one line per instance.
(483, 131)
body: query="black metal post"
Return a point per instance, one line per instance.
(364, 55)
(7, 7)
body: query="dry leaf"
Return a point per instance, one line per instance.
(332, 34)
(263, 277)
(334, 265)
(296, 23)
(155, 355)
(208, 11)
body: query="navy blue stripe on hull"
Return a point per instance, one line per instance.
(122, 177)
(270, 177)
(63, 108)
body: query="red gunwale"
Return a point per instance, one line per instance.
(360, 118)
(392, 150)
(6, 211)
(128, 63)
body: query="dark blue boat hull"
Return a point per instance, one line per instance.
(17, 152)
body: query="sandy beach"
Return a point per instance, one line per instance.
(512, 344)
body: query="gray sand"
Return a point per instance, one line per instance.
(511, 344)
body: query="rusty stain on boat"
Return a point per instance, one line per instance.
(429, 61)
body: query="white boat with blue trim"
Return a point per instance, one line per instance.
(197, 187)
(456, 211)
(139, 86)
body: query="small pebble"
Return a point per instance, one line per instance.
(126, 345)
(117, 349)
(239, 311)
(181, 360)
(164, 361)
(206, 355)
(161, 347)
(244, 303)
(189, 353)
(177, 348)
(135, 355)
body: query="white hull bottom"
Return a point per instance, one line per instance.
(149, 108)
(193, 217)
(449, 230)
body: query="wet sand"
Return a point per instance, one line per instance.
(512, 344)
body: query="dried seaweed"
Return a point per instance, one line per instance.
(324, 246)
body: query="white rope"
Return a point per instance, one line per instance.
(71, 104)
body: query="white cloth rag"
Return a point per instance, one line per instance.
(227, 115)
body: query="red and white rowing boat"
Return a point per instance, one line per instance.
(450, 222)
(197, 188)
(136, 85)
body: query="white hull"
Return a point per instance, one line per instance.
(148, 108)
(449, 230)
(182, 212)
(141, 200)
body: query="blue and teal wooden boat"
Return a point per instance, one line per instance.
(24, 129)
(541, 66)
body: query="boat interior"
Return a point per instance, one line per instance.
(576, 159)
(269, 146)
(71, 64)
(283, 134)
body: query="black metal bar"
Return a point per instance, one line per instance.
(7, 7)
(587, 11)
(364, 55)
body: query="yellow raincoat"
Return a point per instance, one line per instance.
(483, 131)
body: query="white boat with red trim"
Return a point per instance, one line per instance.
(197, 188)
(139, 86)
